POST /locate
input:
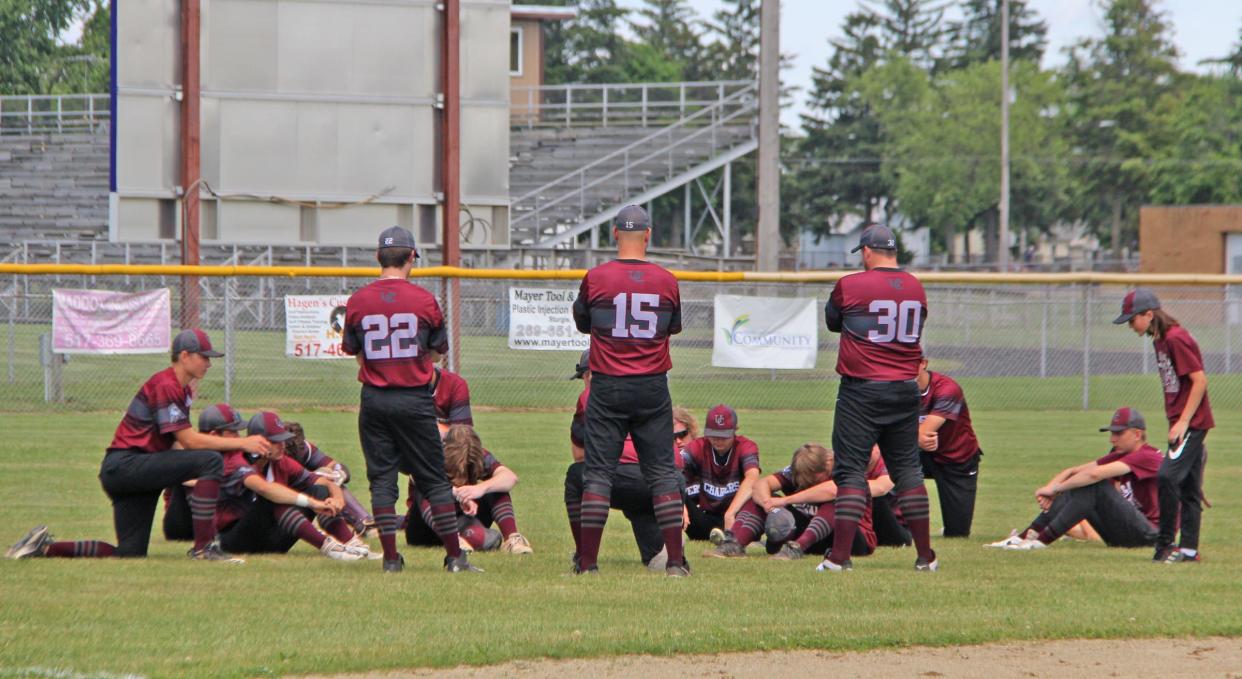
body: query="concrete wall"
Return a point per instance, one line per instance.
(1186, 239)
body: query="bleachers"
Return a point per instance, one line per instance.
(54, 185)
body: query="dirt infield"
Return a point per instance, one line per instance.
(1213, 657)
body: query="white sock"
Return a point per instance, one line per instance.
(1189, 552)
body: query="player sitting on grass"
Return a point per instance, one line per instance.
(685, 427)
(270, 501)
(1116, 494)
(720, 470)
(316, 461)
(218, 420)
(481, 486)
(799, 520)
(452, 400)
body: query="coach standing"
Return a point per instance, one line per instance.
(396, 331)
(880, 314)
(630, 307)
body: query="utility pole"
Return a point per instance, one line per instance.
(191, 155)
(450, 148)
(767, 236)
(1004, 182)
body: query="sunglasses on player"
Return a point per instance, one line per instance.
(681, 434)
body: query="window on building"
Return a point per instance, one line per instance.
(515, 52)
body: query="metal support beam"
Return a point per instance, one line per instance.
(687, 242)
(1003, 250)
(727, 209)
(767, 236)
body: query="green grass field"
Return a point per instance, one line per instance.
(301, 613)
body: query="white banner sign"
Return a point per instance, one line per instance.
(105, 322)
(764, 332)
(543, 319)
(313, 325)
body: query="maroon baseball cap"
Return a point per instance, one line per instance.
(1126, 418)
(269, 426)
(194, 341)
(1136, 302)
(220, 416)
(721, 421)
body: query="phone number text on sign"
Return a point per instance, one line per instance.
(543, 319)
(313, 326)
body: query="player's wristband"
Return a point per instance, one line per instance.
(303, 500)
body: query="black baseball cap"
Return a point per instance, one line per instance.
(269, 426)
(397, 237)
(220, 416)
(1136, 302)
(1126, 418)
(584, 364)
(632, 218)
(194, 341)
(876, 237)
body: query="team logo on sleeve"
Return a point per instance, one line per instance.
(174, 413)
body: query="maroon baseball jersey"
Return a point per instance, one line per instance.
(1139, 486)
(310, 456)
(1177, 355)
(957, 437)
(236, 499)
(159, 409)
(880, 315)
(452, 398)
(713, 478)
(393, 324)
(630, 308)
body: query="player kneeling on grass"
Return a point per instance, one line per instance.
(316, 461)
(271, 501)
(720, 469)
(481, 486)
(799, 520)
(1116, 494)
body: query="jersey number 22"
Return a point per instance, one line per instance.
(390, 336)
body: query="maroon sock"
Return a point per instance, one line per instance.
(573, 507)
(337, 527)
(848, 510)
(80, 549)
(386, 522)
(748, 524)
(444, 523)
(594, 516)
(917, 513)
(292, 522)
(668, 509)
(502, 514)
(203, 511)
(819, 528)
(473, 533)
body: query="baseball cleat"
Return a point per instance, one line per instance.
(213, 552)
(728, 549)
(34, 544)
(790, 551)
(1162, 553)
(579, 570)
(1014, 538)
(830, 566)
(1178, 556)
(356, 543)
(516, 544)
(460, 564)
(333, 549)
(1025, 545)
(716, 536)
(394, 565)
(923, 565)
(681, 570)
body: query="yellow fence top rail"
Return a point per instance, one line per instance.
(987, 278)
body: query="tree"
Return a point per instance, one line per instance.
(29, 51)
(1199, 158)
(84, 67)
(589, 48)
(913, 29)
(1115, 82)
(977, 36)
(668, 28)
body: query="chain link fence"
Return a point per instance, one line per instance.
(1013, 347)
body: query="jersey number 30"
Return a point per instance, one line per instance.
(645, 319)
(897, 321)
(393, 336)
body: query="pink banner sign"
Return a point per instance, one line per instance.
(105, 322)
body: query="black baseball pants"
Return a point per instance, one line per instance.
(1116, 519)
(134, 481)
(258, 532)
(631, 495)
(1180, 481)
(639, 406)
(956, 484)
(888, 529)
(178, 524)
(397, 429)
(870, 413)
(701, 521)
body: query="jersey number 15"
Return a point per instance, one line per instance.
(393, 336)
(644, 319)
(897, 321)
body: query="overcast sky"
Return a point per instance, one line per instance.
(1203, 29)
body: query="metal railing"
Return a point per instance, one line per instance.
(606, 105)
(664, 144)
(36, 113)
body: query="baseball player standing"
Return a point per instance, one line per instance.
(396, 331)
(630, 307)
(1190, 417)
(880, 314)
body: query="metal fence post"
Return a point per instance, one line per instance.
(13, 334)
(1086, 345)
(230, 351)
(1143, 351)
(1043, 333)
